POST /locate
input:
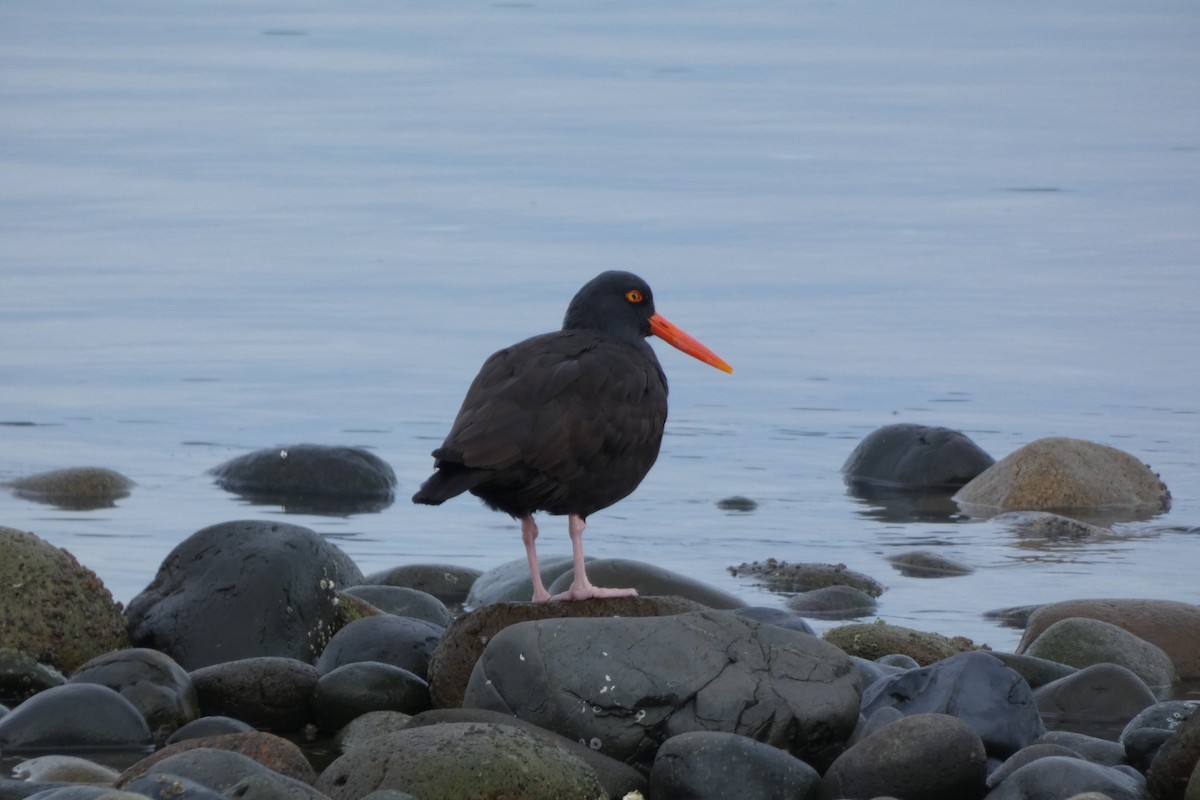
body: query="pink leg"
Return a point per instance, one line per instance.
(581, 587)
(529, 534)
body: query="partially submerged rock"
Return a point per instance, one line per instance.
(74, 488)
(311, 478)
(912, 456)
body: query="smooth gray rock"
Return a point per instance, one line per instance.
(510, 581)
(650, 581)
(220, 770)
(400, 641)
(1105, 752)
(268, 693)
(916, 456)
(625, 685)
(311, 478)
(930, 756)
(404, 602)
(775, 616)
(156, 685)
(243, 589)
(74, 715)
(1058, 777)
(215, 725)
(1083, 641)
(171, 787)
(1025, 756)
(449, 583)
(351, 690)
(715, 764)
(1150, 729)
(975, 687)
(1099, 700)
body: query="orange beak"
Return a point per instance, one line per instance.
(679, 338)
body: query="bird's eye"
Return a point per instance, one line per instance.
(633, 296)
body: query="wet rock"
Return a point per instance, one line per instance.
(268, 693)
(923, 564)
(354, 689)
(649, 580)
(21, 676)
(931, 756)
(172, 787)
(1146, 733)
(713, 764)
(157, 686)
(1099, 700)
(1061, 473)
(264, 750)
(1082, 642)
(1036, 671)
(1057, 777)
(216, 769)
(780, 576)
(737, 503)
(461, 761)
(368, 726)
(55, 610)
(446, 582)
(1049, 527)
(74, 488)
(877, 639)
(975, 687)
(209, 726)
(243, 589)
(400, 641)
(510, 582)
(61, 791)
(915, 456)
(625, 685)
(1025, 756)
(1172, 626)
(617, 777)
(65, 769)
(775, 616)
(463, 642)
(74, 715)
(1012, 617)
(1105, 752)
(833, 602)
(311, 478)
(404, 602)
(1176, 761)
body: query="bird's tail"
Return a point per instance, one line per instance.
(447, 482)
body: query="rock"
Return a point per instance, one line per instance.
(714, 764)
(368, 726)
(357, 688)
(1057, 777)
(833, 602)
(1012, 617)
(975, 687)
(61, 791)
(650, 581)
(775, 616)
(21, 676)
(617, 777)
(1043, 525)
(266, 751)
(930, 756)
(404, 602)
(65, 769)
(1025, 756)
(1173, 766)
(74, 715)
(1145, 734)
(1098, 700)
(461, 761)
(780, 576)
(173, 787)
(625, 685)
(446, 582)
(209, 726)
(1172, 626)
(510, 582)
(463, 642)
(1082, 642)
(400, 641)
(1090, 748)
(243, 589)
(1036, 671)
(157, 686)
(1060, 473)
(877, 639)
(915, 456)
(311, 478)
(737, 503)
(74, 488)
(268, 693)
(217, 769)
(55, 610)
(924, 564)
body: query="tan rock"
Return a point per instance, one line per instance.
(1066, 474)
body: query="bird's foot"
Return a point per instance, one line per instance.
(589, 592)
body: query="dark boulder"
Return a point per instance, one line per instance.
(311, 478)
(268, 693)
(401, 641)
(915, 456)
(715, 764)
(351, 690)
(74, 715)
(157, 686)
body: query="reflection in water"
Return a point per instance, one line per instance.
(895, 504)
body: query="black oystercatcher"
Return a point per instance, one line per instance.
(567, 422)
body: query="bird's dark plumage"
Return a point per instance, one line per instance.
(566, 422)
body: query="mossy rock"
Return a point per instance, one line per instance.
(878, 639)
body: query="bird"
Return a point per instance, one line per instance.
(567, 422)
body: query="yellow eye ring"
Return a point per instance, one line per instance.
(633, 296)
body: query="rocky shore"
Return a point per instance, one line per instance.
(259, 662)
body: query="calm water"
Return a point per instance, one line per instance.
(227, 226)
